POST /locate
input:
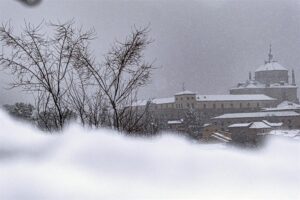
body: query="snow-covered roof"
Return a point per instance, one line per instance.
(256, 84)
(175, 122)
(239, 125)
(258, 114)
(140, 103)
(226, 97)
(234, 97)
(285, 105)
(221, 137)
(286, 133)
(256, 125)
(155, 101)
(185, 92)
(205, 125)
(273, 124)
(259, 125)
(163, 100)
(271, 66)
(281, 85)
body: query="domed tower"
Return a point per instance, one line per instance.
(272, 80)
(271, 72)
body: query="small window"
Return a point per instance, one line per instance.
(231, 105)
(241, 105)
(188, 98)
(222, 106)
(204, 105)
(248, 105)
(214, 105)
(258, 105)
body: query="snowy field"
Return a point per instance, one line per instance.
(81, 164)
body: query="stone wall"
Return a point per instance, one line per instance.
(270, 77)
(280, 93)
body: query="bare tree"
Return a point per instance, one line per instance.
(121, 75)
(60, 71)
(89, 104)
(44, 64)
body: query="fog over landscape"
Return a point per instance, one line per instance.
(211, 45)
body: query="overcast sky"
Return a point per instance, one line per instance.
(210, 45)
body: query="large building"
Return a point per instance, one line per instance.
(206, 106)
(271, 79)
(264, 97)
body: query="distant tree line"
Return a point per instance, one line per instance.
(56, 64)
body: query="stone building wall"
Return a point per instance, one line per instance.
(280, 93)
(205, 110)
(270, 77)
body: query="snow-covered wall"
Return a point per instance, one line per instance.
(102, 164)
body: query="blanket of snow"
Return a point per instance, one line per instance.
(102, 164)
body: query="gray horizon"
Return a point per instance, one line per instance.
(208, 45)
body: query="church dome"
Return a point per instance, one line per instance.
(271, 66)
(271, 72)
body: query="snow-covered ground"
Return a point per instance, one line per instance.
(102, 164)
(294, 134)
